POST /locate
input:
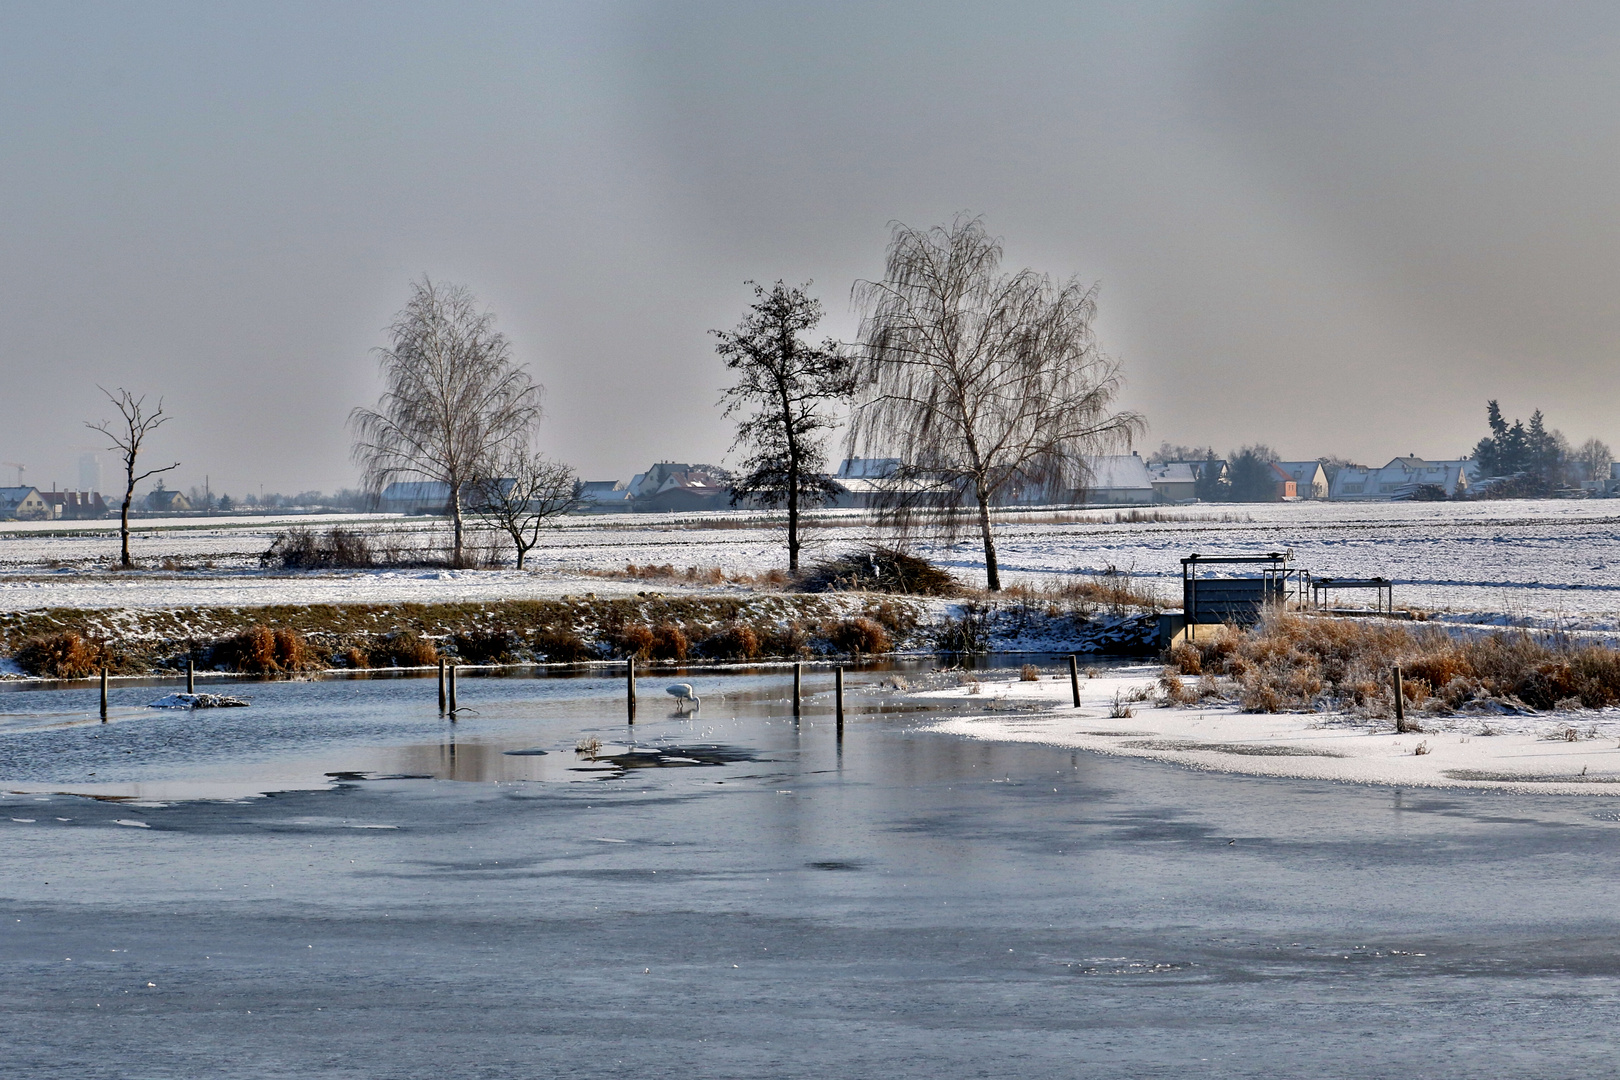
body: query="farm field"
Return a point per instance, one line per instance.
(1538, 563)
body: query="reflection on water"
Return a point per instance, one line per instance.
(311, 734)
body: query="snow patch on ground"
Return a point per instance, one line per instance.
(1517, 753)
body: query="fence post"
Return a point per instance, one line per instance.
(1074, 680)
(630, 687)
(191, 677)
(452, 692)
(1400, 703)
(838, 695)
(103, 695)
(798, 684)
(441, 686)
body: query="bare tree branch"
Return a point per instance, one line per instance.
(126, 435)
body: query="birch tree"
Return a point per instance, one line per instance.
(127, 435)
(454, 400)
(785, 387)
(983, 384)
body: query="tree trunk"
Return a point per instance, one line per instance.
(123, 522)
(992, 575)
(793, 514)
(455, 517)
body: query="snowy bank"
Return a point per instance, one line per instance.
(1566, 752)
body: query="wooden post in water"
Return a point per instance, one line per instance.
(191, 677)
(1400, 703)
(1074, 679)
(103, 695)
(630, 687)
(452, 692)
(441, 686)
(798, 687)
(838, 696)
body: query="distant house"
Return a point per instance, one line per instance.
(1117, 478)
(1403, 478)
(163, 501)
(669, 486)
(863, 482)
(75, 505)
(604, 496)
(1283, 486)
(1173, 481)
(415, 497)
(23, 504)
(1310, 479)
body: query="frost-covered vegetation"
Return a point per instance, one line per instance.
(1293, 662)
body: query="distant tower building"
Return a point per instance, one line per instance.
(89, 472)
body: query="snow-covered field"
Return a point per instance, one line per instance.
(1511, 752)
(1538, 563)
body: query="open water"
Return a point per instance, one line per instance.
(740, 895)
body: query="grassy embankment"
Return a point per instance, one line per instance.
(75, 643)
(1298, 663)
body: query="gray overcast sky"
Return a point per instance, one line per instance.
(1335, 228)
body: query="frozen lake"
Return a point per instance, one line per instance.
(905, 904)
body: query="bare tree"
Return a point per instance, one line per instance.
(126, 435)
(523, 494)
(982, 383)
(1594, 457)
(454, 399)
(786, 385)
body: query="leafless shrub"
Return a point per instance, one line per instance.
(1029, 673)
(299, 548)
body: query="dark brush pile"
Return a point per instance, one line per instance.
(880, 569)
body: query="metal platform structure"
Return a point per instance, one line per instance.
(1236, 600)
(1384, 604)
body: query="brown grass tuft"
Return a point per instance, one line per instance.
(1293, 662)
(859, 636)
(67, 655)
(259, 650)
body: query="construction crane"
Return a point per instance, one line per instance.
(14, 465)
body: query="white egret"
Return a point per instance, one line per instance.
(682, 693)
